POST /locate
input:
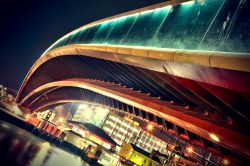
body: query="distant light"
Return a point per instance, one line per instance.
(147, 11)
(202, 2)
(214, 137)
(188, 2)
(60, 120)
(190, 149)
(165, 7)
(225, 161)
(150, 127)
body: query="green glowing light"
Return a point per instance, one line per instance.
(180, 26)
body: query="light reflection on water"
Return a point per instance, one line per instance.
(20, 148)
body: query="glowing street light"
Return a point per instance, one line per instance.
(214, 137)
(61, 120)
(225, 161)
(190, 150)
(150, 127)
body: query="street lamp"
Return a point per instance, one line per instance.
(150, 127)
(61, 120)
(214, 137)
(189, 150)
(225, 161)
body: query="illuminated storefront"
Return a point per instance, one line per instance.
(93, 141)
(138, 156)
(89, 113)
(125, 130)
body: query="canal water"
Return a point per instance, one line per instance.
(20, 148)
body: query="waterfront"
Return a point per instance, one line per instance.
(19, 147)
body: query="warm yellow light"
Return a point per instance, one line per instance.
(214, 137)
(225, 161)
(150, 127)
(189, 149)
(60, 120)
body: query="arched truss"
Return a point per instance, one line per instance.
(185, 119)
(211, 92)
(198, 92)
(187, 96)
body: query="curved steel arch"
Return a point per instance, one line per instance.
(229, 60)
(191, 123)
(164, 61)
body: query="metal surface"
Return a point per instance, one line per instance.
(203, 128)
(165, 63)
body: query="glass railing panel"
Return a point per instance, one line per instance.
(229, 32)
(103, 32)
(145, 27)
(91, 34)
(83, 35)
(185, 24)
(213, 25)
(121, 28)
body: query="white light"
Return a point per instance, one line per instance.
(225, 161)
(150, 127)
(214, 137)
(165, 7)
(190, 149)
(60, 120)
(188, 2)
(147, 11)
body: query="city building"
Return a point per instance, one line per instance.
(94, 142)
(62, 112)
(138, 156)
(7, 100)
(44, 114)
(92, 133)
(125, 130)
(90, 113)
(3, 91)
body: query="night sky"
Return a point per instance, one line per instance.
(29, 27)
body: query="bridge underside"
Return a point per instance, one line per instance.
(193, 94)
(191, 109)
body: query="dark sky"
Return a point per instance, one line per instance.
(29, 27)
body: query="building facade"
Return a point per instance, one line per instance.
(125, 130)
(138, 156)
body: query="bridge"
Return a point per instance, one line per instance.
(183, 65)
